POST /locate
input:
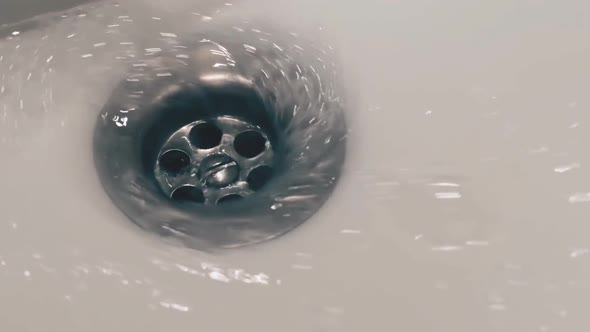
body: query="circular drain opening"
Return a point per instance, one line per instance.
(229, 199)
(205, 136)
(188, 194)
(223, 156)
(174, 161)
(259, 177)
(249, 144)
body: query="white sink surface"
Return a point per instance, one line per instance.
(464, 206)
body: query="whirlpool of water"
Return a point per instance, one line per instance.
(462, 203)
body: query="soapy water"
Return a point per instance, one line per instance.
(464, 198)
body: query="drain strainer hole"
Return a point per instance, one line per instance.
(249, 144)
(205, 136)
(188, 193)
(229, 199)
(174, 161)
(259, 177)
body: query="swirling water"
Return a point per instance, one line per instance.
(463, 206)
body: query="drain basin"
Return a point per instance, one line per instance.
(222, 151)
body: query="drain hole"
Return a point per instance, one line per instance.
(209, 154)
(249, 144)
(229, 199)
(259, 177)
(205, 136)
(174, 161)
(188, 193)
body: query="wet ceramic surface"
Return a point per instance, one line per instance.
(464, 205)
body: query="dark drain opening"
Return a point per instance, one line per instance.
(205, 136)
(229, 199)
(174, 161)
(188, 194)
(249, 144)
(259, 177)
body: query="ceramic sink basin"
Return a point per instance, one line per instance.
(464, 203)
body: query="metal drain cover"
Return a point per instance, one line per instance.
(218, 157)
(231, 147)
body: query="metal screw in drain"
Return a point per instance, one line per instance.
(219, 171)
(226, 156)
(223, 151)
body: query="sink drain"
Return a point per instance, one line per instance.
(230, 145)
(218, 158)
